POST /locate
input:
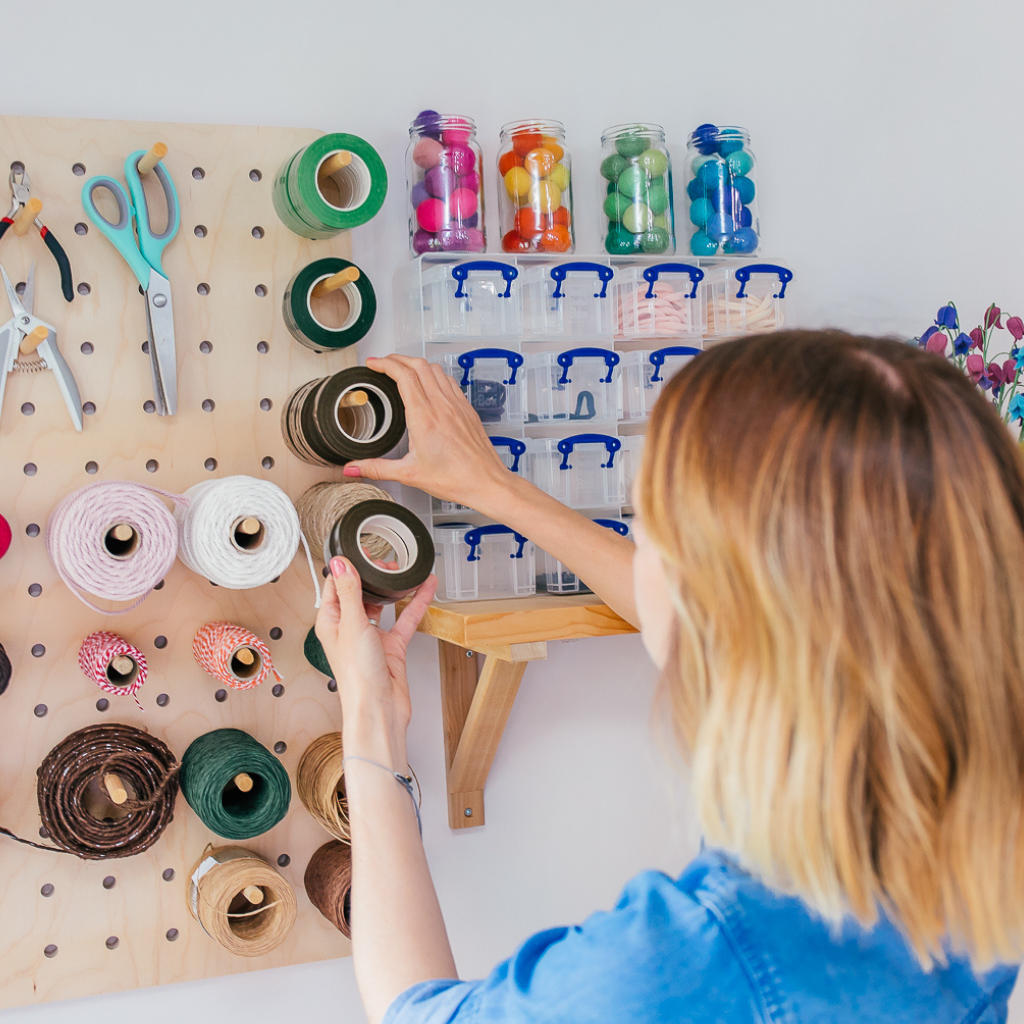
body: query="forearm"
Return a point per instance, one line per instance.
(398, 934)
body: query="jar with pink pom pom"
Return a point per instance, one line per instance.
(446, 189)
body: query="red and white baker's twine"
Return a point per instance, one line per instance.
(216, 643)
(98, 650)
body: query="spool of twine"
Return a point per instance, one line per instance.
(321, 506)
(237, 787)
(107, 791)
(315, 654)
(5, 669)
(320, 783)
(241, 902)
(113, 664)
(328, 882)
(233, 655)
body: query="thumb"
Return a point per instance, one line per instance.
(349, 589)
(376, 469)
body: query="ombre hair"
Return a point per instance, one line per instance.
(841, 521)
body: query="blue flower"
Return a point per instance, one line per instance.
(1017, 408)
(946, 317)
(962, 344)
(923, 340)
(1020, 359)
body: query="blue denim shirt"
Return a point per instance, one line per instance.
(714, 945)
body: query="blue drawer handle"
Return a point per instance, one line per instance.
(462, 270)
(614, 524)
(472, 538)
(567, 444)
(657, 359)
(515, 448)
(467, 359)
(651, 275)
(565, 360)
(559, 272)
(743, 276)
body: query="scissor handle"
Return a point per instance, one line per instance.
(121, 233)
(151, 244)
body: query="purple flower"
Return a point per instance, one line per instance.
(977, 338)
(946, 317)
(1016, 327)
(926, 337)
(962, 344)
(994, 372)
(992, 315)
(937, 343)
(1009, 369)
(975, 366)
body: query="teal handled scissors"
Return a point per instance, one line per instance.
(143, 255)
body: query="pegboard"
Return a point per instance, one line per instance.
(236, 360)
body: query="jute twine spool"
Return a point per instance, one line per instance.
(324, 504)
(328, 882)
(241, 902)
(320, 783)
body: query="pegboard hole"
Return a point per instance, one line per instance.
(92, 468)
(276, 633)
(46, 890)
(34, 589)
(109, 882)
(78, 170)
(19, 168)
(168, 875)
(83, 288)
(89, 408)
(32, 530)
(220, 696)
(29, 469)
(209, 405)
(27, 409)
(261, 291)
(257, 232)
(145, 348)
(262, 347)
(198, 173)
(20, 287)
(162, 700)
(160, 585)
(40, 710)
(152, 466)
(81, 228)
(172, 934)
(160, 643)
(205, 347)
(38, 650)
(284, 860)
(266, 404)
(43, 834)
(332, 685)
(113, 942)
(255, 175)
(51, 950)
(267, 462)
(121, 540)
(149, 406)
(280, 747)
(86, 348)
(203, 288)
(199, 231)
(278, 690)
(210, 464)
(102, 704)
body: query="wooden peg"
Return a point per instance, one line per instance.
(334, 163)
(122, 664)
(243, 782)
(245, 655)
(122, 532)
(250, 525)
(115, 788)
(26, 215)
(32, 341)
(152, 158)
(352, 399)
(253, 893)
(332, 284)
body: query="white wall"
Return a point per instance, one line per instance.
(891, 146)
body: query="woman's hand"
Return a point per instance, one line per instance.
(369, 662)
(450, 455)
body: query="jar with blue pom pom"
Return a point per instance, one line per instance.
(721, 193)
(637, 172)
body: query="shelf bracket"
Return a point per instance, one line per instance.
(476, 700)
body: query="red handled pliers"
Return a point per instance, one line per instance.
(22, 192)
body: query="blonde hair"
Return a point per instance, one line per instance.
(842, 523)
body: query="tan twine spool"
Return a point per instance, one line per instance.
(325, 503)
(320, 783)
(217, 882)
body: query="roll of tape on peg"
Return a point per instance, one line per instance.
(233, 655)
(237, 787)
(241, 901)
(114, 665)
(320, 783)
(410, 542)
(334, 184)
(328, 883)
(5, 536)
(341, 317)
(354, 414)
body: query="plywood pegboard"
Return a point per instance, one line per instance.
(108, 313)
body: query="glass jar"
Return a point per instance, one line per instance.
(637, 170)
(720, 189)
(535, 194)
(446, 189)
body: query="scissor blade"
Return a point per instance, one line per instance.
(29, 298)
(162, 355)
(12, 295)
(50, 355)
(10, 339)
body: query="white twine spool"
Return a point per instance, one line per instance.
(240, 532)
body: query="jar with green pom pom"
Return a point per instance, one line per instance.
(637, 215)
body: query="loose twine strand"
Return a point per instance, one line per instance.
(97, 652)
(323, 504)
(215, 647)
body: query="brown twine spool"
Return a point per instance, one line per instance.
(328, 882)
(323, 504)
(217, 900)
(107, 791)
(320, 783)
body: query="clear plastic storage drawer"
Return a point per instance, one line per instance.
(558, 579)
(511, 450)
(579, 384)
(568, 300)
(582, 471)
(492, 380)
(644, 375)
(475, 299)
(479, 562)
(632, 450)
(661, 301)
(747, 299)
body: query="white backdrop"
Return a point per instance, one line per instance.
(890, 143)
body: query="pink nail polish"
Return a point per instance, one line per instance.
(351, 471)
(338, 567)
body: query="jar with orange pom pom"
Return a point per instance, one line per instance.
(535, 192)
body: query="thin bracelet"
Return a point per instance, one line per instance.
(404, 780)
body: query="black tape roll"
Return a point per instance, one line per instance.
(406, 534)
(302, 322)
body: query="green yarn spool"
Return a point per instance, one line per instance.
(315, 655)
(208, 771)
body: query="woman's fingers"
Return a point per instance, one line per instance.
(414, 611)
(349, 590)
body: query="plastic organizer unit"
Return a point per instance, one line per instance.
(746, 299)
(577, 384)
(557, 579)
(480, 562)
(511, 450)
(644, 374)
(581, 471)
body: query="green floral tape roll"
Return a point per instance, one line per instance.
(317, 204)
(302, 322)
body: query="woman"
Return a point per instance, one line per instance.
(828, 573)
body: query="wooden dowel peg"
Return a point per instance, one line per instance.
(243, 782)
(152, 158)
(250, 525)
(352, 399)
(115, 788)
(332, 284)
(32, 341)
(26, 215)
(122, 532)
(122, 664)
(253, 893)
(245, 655)
(334, 163)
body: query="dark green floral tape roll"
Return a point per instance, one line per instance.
(318, 205)
(302, 321)
(315, 655)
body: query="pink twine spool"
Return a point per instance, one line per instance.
(216, 647)
(90, 559)
(97, 652)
